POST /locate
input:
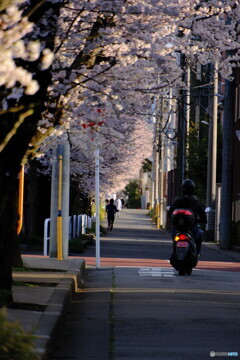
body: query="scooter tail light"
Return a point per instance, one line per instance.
(181, 237)
(182, 212)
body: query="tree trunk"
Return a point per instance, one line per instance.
(8, 226)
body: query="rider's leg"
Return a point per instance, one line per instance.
(198, 236)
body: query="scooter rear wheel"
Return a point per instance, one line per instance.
(188, 271)
(181, 272)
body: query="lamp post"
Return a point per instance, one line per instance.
(94, 126)
(97, 208)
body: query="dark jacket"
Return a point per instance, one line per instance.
(111, 210)
(190, 202)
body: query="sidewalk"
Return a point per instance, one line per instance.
(233, 253)
(45, 294)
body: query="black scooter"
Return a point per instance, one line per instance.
(184, 256)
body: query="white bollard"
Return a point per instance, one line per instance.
(79, 219)
(70, 227)
(89, 222)
(74, 226)
(46, 236)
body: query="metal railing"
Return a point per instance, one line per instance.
(77, 226)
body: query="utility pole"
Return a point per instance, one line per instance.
(183, 125)
(187, 108)
(161, 164)
(214, 136)
(226, 203)
(59, 226)
(180, 146)
(212, 145)
(212, 159)
(155, 167)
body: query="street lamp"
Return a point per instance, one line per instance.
(97, 208)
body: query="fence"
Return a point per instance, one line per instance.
(77, 226)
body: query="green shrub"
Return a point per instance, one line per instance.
(93, 229)
(77, 244)
(102, 211)
(151, 213)
(5, 298)
(88, 238)
(132, 190)
(15, 343)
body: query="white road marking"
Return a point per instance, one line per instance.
(161, 272)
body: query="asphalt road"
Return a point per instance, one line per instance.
(149, 312)
(135, 236)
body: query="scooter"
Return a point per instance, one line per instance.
(184, 256)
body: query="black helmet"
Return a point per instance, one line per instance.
(188, 187)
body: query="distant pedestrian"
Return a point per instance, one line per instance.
(111, 211)
(118, 204)
(107, 202)
(90, 208)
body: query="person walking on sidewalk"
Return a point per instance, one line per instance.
(118, 204)
(111, 210)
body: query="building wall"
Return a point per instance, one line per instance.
(146, 183)
(236, 153)
(235, 239)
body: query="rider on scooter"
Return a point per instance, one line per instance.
(191, 202)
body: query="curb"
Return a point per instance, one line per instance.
(68, 276)
(53, 319)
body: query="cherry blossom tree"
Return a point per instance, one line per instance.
(107, 68)
(121, 154)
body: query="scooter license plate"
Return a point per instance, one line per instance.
(183, 244)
